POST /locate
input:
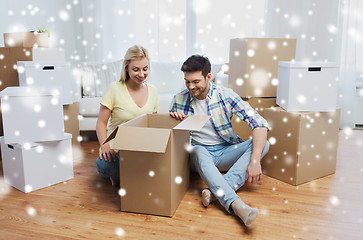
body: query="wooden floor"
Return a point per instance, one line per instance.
(88, 207)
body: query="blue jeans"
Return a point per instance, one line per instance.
(233, 159)
(109, 169)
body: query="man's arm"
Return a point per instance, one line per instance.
(174, 112)
(259, 138)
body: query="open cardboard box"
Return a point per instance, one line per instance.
(154, 167)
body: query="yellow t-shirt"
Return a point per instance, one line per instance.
(123, 108)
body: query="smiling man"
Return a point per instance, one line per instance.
(216, 147)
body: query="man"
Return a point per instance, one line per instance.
(217, 147)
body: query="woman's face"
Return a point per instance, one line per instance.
(138, 70)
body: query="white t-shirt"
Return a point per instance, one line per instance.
(207, 135)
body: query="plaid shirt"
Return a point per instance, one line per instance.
(222, 104)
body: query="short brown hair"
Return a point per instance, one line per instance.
(197, 63)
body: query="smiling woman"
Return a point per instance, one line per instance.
(124, 100)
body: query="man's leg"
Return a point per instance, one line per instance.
(236, 158)
(203, 162)
(224, 161)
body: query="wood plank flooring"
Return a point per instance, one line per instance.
(88, 207)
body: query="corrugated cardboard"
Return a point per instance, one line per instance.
(71, 122)
(253, 64)
(32, 166)
(240, 127)
(154, 169)
(308, 86)
(26, 39)
(303, 145)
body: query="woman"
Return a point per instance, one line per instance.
(124, 100)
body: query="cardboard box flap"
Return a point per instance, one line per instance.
(140, 139)
(29, 145)
(192, 123)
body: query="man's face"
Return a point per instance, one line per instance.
(197, 84)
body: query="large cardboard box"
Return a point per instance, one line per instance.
(31, 166)
(31, 115)
(308, 86)
(51, 74)
(303, 145)
(240, 127)
(253, 64)
(71, 122)
(154, 169)
(26, 39)
(8, 64)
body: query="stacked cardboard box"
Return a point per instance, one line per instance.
(303, 136)
(308, 86)
(304, 131)
(26, 39)
(303, 145)
(36, 153)
(241, 128)
(253, 68)
(22, 49)
(253, 64)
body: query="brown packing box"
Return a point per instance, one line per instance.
(154, 168)
(240, 127)
(71, 122)
(9, 74)
(253, 64)
(26, 39)
(303, 145)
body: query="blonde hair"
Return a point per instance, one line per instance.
(135, 52)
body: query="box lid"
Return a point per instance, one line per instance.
(42, 64)
(28, 92)
(308, 64)
(29, 145)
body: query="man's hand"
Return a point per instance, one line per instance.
(254, 171)
(177, 115)
(107, 153)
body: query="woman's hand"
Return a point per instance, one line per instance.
(107, 153)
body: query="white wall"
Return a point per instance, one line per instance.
(216, 22)
(313, 23)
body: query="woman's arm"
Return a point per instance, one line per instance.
(101, 130)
